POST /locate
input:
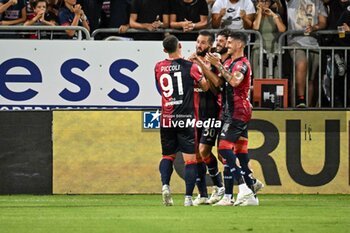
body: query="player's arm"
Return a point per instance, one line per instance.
(234, 78)
(197, 74)
(214, 79)
(204, 84)
(215, 90)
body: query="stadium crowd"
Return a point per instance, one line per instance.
(269, 17)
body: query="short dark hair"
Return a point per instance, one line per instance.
(240, 36)
(208, 34)
(170, 43)
(225, 32)
(34, 3)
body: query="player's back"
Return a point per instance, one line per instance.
(176, 79)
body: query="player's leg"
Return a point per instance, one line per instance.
(202, 198)
(230, 134)
(227, 200)
(241, 151)
(191, 172)
(212, 164)
(187, 144)
(166, 170)
(230, 167)
(231, 171)
(169, 144)
(207, 142)
(210, 160)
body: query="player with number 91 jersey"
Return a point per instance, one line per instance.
(176, 80)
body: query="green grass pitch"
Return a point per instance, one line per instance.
(145, 213)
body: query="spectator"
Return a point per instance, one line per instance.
(92, 9)
(29, 9)
(188, 15)
(72, 14)
(120, 15)
(210, 5)
(13, 12)
(107, 14)
(298, 20)
(52, 8)
(114, 14)
(149, 15)
(339, 16)
(40, 17)
(233, 14)
(270, 24)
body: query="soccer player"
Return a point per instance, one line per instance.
(221, 41)
(237, 110)
(176, 78)
(208, 109)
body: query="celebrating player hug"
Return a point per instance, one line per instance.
(199, 89)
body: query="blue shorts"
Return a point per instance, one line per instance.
(234, 130)
(178, 139)
(208, 136)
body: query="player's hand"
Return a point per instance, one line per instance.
(346, 27)
(218, 55)
(192, 57)
(213, 59)
(14, 2)
(201, 62)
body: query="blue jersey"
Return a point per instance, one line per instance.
(13, 12)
